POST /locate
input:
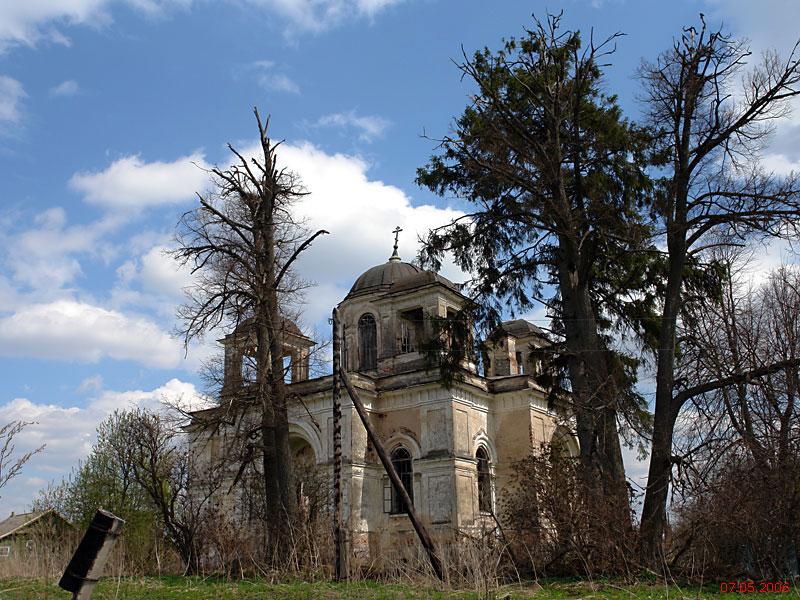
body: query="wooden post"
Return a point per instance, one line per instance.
(422, 532)
(340, 571)
(86, 566)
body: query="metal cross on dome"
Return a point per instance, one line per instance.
(396, 233)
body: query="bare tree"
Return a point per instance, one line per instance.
(714, 192)
(743, 440)
(242, 242)
(11, 463)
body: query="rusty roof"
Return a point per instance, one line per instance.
(396, 276)
(19, 521)
(381, 277)
(520, 328)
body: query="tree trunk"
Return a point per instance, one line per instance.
(594, 390)
(269, 461)
(654, 511)
(190, 559)
(283, 453)
(286, 501)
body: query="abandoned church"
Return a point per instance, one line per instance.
(452, 447)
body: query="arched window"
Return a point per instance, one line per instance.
(367, 343)
(484, 481)
(401, 459)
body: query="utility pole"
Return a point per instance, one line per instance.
(340, 571)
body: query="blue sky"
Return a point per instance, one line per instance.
(105, 105)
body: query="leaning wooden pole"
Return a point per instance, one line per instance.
(422, 532)
(338, 538)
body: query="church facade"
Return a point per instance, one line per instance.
(452, 447)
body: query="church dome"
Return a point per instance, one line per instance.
(382, 277)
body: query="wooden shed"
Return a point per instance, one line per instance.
(22, 532)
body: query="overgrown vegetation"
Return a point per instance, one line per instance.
(631, 235)
(551, 527)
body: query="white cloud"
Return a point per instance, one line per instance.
(152, 281)
(320, 15)
(47, 257)
(90, 384)
(369, 127)
(766, 257)
(780, 164)
(271, 79)
(173, 393)
(131, 184)
(65, 88)
(636, 469)
(11, 94)
(28, 22)
(278, 82)
(43, 257)
(360, 214)
(156, 272)
(161, 273)
(69, 330)
(69, 432)
(768, 25)
(9, 296)
(370, 7)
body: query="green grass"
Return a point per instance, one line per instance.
(193, 588)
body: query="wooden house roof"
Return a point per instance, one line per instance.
(17, 522)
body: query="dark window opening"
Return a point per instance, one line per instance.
(408, 341)
(367, 343)
(401, 459)
(451, 337)
(411, 322)
(484, 481)
(520, 364)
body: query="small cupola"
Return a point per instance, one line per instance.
(509, 349)
(240, 348)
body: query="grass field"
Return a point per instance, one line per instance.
(180, 588)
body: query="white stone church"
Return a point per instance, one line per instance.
(453, 447)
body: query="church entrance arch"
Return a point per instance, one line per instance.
(302, 452)
(308, 478)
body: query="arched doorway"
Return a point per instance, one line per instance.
(302, 453)
(309, 481)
